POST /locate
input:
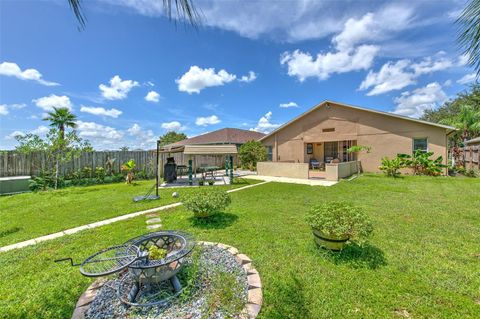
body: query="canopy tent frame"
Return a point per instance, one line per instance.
(192, 151)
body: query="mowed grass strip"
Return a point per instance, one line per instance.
(422, 260)
(29, 215)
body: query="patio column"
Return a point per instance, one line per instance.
(190, 179)
(226, 165)
(231, 168)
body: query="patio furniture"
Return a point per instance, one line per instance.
(209, 171)
(182, 170)
(314, 163)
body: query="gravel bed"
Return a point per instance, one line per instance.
(211, 261)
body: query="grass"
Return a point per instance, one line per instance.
(422, 260)
(29, 215)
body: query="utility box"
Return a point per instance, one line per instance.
(14, 184)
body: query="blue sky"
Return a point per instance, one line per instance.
(252, 65)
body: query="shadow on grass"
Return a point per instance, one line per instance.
(290, 301)
(355, 256)
(217, 221)
(9, 231)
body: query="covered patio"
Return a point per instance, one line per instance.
(198, 170)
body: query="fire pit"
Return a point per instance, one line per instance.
(144, 281)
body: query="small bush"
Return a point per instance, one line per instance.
(341, 220)
(391, 167)
(155, 253)
(206, 202)
(471, 173)
(100, 173)
(250, 153)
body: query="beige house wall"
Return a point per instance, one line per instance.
(292, 170)
(386, 135)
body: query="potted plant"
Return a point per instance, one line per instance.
(129, 168)
(206, 202)
(211, 182)
(201, 182)
(334, 224)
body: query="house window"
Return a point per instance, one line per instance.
(420, 144)
(269, 153)
(309, 148)
(325, 130)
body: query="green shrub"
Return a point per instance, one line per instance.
(339, 219)
(206, 202)
(100, 173)
(391, 167)
(421, 164)
(250, 153)
(86, 172)
(155, 253)
(471, 172)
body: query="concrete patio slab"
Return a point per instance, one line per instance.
(311, 182)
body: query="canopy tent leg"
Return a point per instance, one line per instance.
(231, 169)
(190, 179)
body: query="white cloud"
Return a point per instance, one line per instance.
(14, 134)
(12, 69)
(47, 103)
(143, 138)
(95, 131)
(152, 96)
(463, 60)
(208, 120)
(42, 129)
(197, 79)
(288, 105)
(414, 103)
(248, 78)
(3, 109)
(118, 88)
(467, 78)
(447, 83)
(101, 111)
(173, 126)
(264, 125)
(304, 65)
(396, 76)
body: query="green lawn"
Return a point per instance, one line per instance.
(30, 215)
(422, 261)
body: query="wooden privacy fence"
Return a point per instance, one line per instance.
(472, 159)
(17, 164)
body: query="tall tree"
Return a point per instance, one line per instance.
(469, 36)
(185, 10)
(171, 137)
(61, 118)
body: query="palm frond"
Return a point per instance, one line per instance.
(185, 11)
(469, 36)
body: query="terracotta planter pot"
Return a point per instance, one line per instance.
(329, 242)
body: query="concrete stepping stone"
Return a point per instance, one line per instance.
(153, 220)
(155, 226)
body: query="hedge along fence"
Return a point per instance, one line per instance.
(16, 164)
(13, 163)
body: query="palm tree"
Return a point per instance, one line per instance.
(469, 36)
(184, 8)
(61, 118)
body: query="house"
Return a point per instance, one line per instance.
(223, 136)
(326, 131)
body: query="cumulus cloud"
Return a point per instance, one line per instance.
(197, 79)
(248, 78)
(12, 69)
(173, 126)
(288, 105)
(353, 46)
(467, 78)
(414, 103)
(14, 134)
(47, 103)
(100, 111)
(95, 131)
(42, 129)
(395, 76)
(264, 125)
(117, 89)
(5, 108)
(143, 138)
(208, 120)
(152, 96)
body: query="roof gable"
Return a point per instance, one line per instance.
(326, 102)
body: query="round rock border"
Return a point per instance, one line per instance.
(255, 296)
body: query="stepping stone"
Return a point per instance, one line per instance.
(152, 215)
(155, 226)
(153, 220)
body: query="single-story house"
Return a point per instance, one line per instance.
(327, 130)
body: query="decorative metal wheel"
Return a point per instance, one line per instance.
(109, 260)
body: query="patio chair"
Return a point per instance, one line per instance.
(314, 163)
